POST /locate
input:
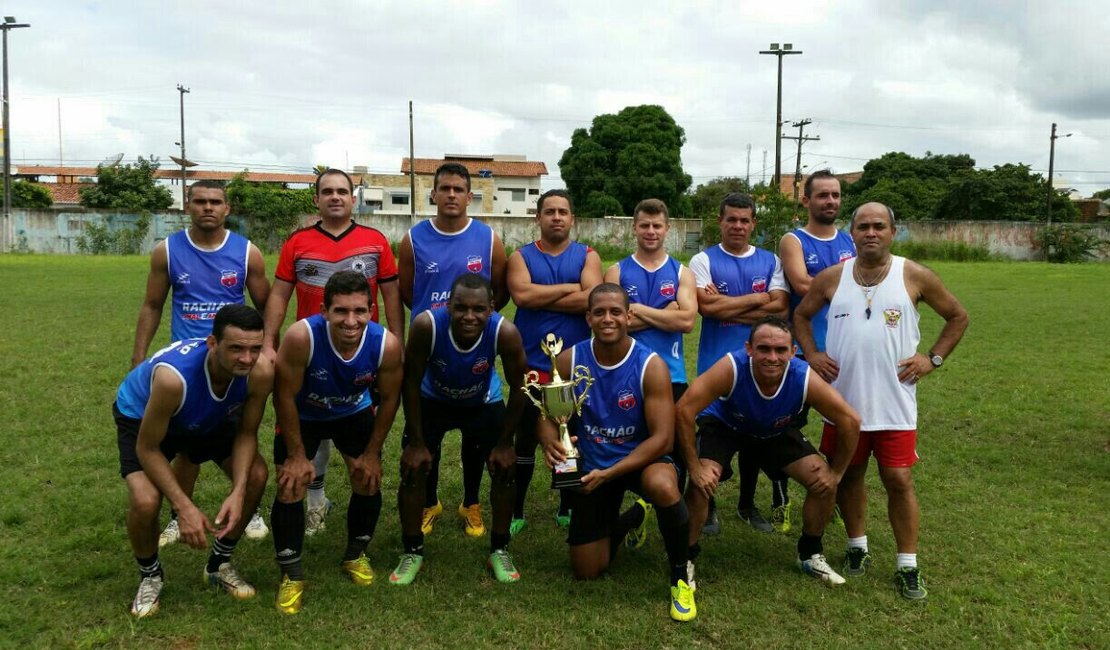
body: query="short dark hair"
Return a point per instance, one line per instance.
(239, 315)
(451, 169)
(332, 171)
(550, 193)
(471, 281)
(889, 213)
(651, 207)
(820, 173)
(344, 283)
(607, 287)
(770, 321)
(736, 200)
(207, 185)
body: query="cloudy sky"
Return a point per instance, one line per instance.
(283, 86)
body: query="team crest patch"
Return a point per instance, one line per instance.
(229, 278)
(667, 289)
(626, 400)
(782, 422)
(480, 367)
(474, 263)
(310, 271)
(358, 265)
(846, 255)
(759, 284)
(891, 316)
(364, 379)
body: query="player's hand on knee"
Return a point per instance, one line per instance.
(502, 459)
(366, 470)
(592, 481)
(415, 458)
(705, 477)
(295, 474)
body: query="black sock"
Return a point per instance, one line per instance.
(149, 567)
(780, 495)
(287, 524)
(473, 467)
(431, 483)
(693, 552)
(525, 467)
(674, 525)
(809, 545)
(222, 548)
(317, 483)
(628, 520)
(363, 512)
(498, 541)
(564, 503)
(173, 513)
(749, 477)
(413, 543)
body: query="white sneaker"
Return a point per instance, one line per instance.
(146, 600)
(314, 520)
(817, 567)
(230, 581)
(170, 535)
(256, 529)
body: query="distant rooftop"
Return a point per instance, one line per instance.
(477, 165)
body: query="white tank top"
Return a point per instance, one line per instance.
(868, 349)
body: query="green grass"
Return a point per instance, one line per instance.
(1013, 484)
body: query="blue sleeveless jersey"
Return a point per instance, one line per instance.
(733, 276)
(820, 254)
(534, 324)
(656, 289)
(613, 422)
(201, 412)
(203, 281)
(439, 258)
(463, 377)
(747, 411)
(333, 387)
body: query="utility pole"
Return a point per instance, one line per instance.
(8, 24)
(764, 181)
(787, 48)
(181, 91)
(798, 165)
(748, 174)
(1051, 161)
(412, 172)
(61, 159)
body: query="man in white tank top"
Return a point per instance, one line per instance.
(872, 359)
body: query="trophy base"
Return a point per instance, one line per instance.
(566, 475)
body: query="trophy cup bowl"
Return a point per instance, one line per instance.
(558, 403)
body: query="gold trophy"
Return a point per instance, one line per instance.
(557, 403)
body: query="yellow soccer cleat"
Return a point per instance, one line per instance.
(472, 519)
(359, 570)
(290, 596)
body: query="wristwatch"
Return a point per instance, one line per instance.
(935, 359)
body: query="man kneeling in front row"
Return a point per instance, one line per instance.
(623, 434)
(746, 403)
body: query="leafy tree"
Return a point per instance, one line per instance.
(1006, 193)
(774, 212)
(912, 187)
(1101, 194)
(29, 195)
(705, 200)
(269, 210)
(624, 158)
(128, 188)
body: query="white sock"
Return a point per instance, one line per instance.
(858, 542)
(316, 498)
(904, 560)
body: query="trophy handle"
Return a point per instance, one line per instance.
(532, 380)
(579, 375)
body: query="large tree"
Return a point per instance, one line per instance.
(912, 187)
(29, 195)
(1006, 193)
(128, 188)
(624, 158)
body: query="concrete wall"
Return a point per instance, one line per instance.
(1011, 239)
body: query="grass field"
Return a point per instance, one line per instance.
(1014, 486)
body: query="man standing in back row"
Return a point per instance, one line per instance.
(871, 358)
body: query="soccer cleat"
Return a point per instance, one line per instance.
(170, 534)
(780, 518)
(910, 583)
(314, 521)
(146, 599)
(256, 529)
(430, 516)
(290, 597)
(230, 581)
(856, 562)
(472, 520)
(817, 567)
(754, 519)
(712, 524)
(517, 525)
(562, 519)
(501, 565)
(359, 570)
(638, 535)
(406, 569)
(682, 602)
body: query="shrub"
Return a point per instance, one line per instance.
(1071, 243)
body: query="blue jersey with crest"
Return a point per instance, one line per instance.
(203, 281)
(748, 411)
(464, 377)
(820, 254)
(201, 411)
(441, 257)
(656, 289)
(334, 387)
(613, 421)
(733, 275)
(534, 324)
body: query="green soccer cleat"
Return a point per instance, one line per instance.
(406, 569)
(780, 518)
(563, 520)
(638, 535)
(856, 561)
(359, 570)
(683, 607)
(516, 526)
(910, 583)
(501, 565)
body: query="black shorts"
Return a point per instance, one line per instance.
(350, 435)
(593, 515)
(718, 443)
(215, 446)
(678, 390)
(480, 425)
